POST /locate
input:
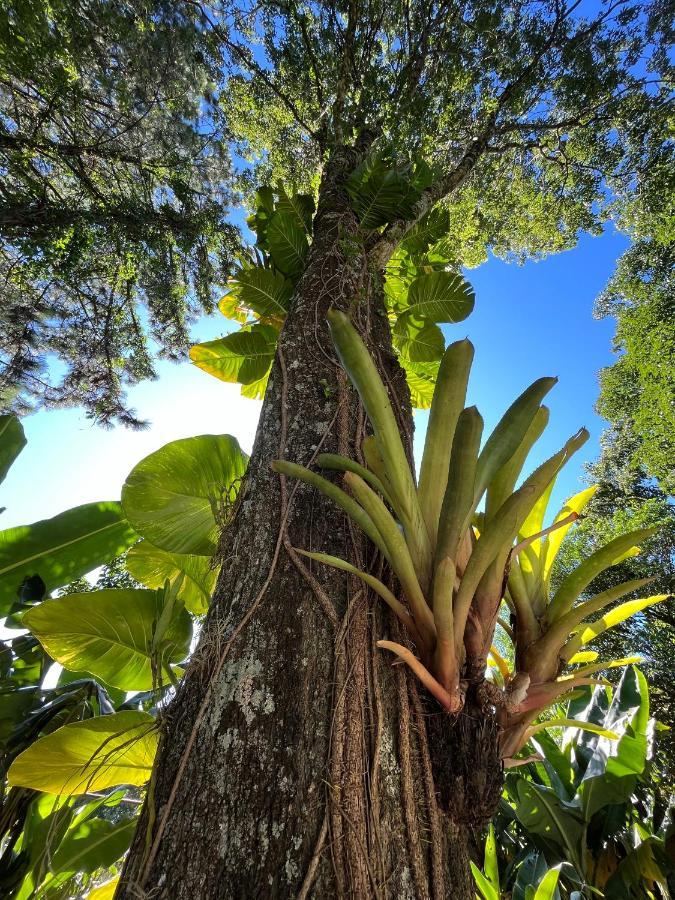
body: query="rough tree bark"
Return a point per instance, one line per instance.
(294, 761)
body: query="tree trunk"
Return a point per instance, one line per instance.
(294, 761)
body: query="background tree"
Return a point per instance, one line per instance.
(113, 198)
(506, 122)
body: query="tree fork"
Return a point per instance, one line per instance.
(294, 759)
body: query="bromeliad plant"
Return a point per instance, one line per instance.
(459, 569)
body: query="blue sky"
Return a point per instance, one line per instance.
(529, 321)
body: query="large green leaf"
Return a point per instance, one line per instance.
(541, 812)
(381, 192)
(265, 292)
(547, 888)
(288, 243)
(436, 297)
(93, 844)
(63, 548)
(243, 357)
(174, 497)
(109, 633)
(421, 342)
(421, 378)
(487, 891)
(12, 442)
(88, 756)
(300, 206)
(613, 769)
(151, 566)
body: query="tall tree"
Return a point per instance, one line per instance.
(113, 197)
(295, 760)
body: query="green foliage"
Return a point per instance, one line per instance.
(82, 735)
(112, 634)
(178, 496)
(114, 196)
(153, 567)
(88, 756)
(590, 802)
(456, 567)
(61, 548)
(12, 442)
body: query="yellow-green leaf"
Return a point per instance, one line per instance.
(91, 755)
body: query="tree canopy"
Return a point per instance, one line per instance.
(534, 121)
(113, 197)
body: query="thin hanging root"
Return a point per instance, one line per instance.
(447, 701)
(573, 516)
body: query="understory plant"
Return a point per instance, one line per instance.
(589, 805)
(471, 550)
(78, 744)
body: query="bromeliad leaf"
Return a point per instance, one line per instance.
(12, 442)
(244, 357)
(288, 243)
(174, 496)
(437, 297)
(152, 566)
(109, 633)
(62, 548)
(265, 292)
(88, 756)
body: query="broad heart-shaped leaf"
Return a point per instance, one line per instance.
(265, 292)
(615, 765)
(243, 357)
(63, 548)
(288, 243)
(93, 844)
(174, 496)
(437, 297)
(109, 633)
(151, 566)
(89, 756)
(422, 341)
(12, 442)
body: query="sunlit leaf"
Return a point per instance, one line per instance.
(151, 566)
(287, 243)
(265, 292)
(63, 548)
(243, 357)
(174, 496)
(91, 755)
(12, 442)
(109, 633)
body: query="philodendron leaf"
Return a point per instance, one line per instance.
(94, 844)
(421, 378)
(12, 442)
(175, 496)
(88, 756)
(243, 357)
(63, 548)
(436, 297)
(422, 341)
(265, 292)
(109, 633)
(288, 243)
(152, 566)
